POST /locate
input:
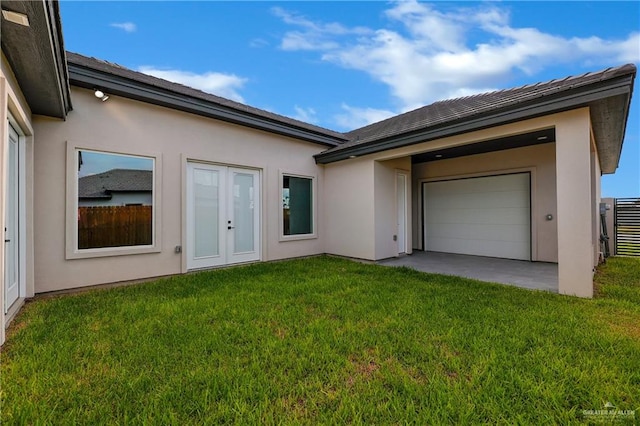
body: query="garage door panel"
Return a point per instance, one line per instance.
(487, 216)
(481, 200)
(485, 184)
(507, 216)
(513, 233)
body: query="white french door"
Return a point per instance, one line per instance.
(12, 229)
(223, 215)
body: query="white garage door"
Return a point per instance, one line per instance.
(487, 216)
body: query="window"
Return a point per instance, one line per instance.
(297, 205)
(113, 209)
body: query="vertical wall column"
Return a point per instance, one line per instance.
(349, 209)
(595, 204)
(574, 199)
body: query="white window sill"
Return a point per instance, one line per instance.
(284, 238)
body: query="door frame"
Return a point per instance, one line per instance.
(227, 258)
(22, 216)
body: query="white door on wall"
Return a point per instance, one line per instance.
(11, 231)
(223, 215)
(401, 194)
(485, 216)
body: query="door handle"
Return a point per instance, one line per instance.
(7, 241)
(231, 227)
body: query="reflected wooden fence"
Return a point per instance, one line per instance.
(114, 226)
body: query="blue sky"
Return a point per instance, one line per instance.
(98, 162)
(342, 65)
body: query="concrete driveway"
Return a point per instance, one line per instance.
(531, 275)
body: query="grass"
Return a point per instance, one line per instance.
(324, 341)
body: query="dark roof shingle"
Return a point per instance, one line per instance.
(101, 185)
(452, 110)
(460, 112)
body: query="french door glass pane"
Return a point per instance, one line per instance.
(243, 207)
(11, 231)
(206, 192)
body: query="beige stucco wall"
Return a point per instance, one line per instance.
(349, 209)
(539, 160)
(563, 187)
(12, 102)
(356, 205)
(361, 215)
(385, 211)
(127, 126)
(595, 202)
(574, 170)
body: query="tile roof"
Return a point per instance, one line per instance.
(460, 109)
(438, 115)
(101, 185)
(118, 70)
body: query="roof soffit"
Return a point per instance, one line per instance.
(36, 56)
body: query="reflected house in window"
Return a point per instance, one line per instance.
(116, 187)
(115, 200)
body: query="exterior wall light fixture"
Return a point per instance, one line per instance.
(101, 95)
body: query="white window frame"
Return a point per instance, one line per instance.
(71, 233)
(314, 201)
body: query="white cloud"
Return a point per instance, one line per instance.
(308, 115)
(128, 27)
(425, 54)
(355, 117)
(313, 35)
(224, 85)
(258, 42)
(294, 40)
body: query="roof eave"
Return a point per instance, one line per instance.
(90, 78)
(609, 136)
(37, 56)
(572, 99)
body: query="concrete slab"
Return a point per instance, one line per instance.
(531, 275)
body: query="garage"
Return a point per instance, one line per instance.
(480, 216)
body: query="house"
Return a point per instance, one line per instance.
(116, 187)
(513, 174)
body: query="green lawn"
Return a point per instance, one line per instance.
(324, 341)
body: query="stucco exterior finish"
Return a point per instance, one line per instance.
(562, 177)
(360, 198)
(356, 200)
(126, 126)
(539, 160)
(575, 204)
(349, 208)
(12, 103)
(386, 212)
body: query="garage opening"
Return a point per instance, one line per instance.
(480, 216)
